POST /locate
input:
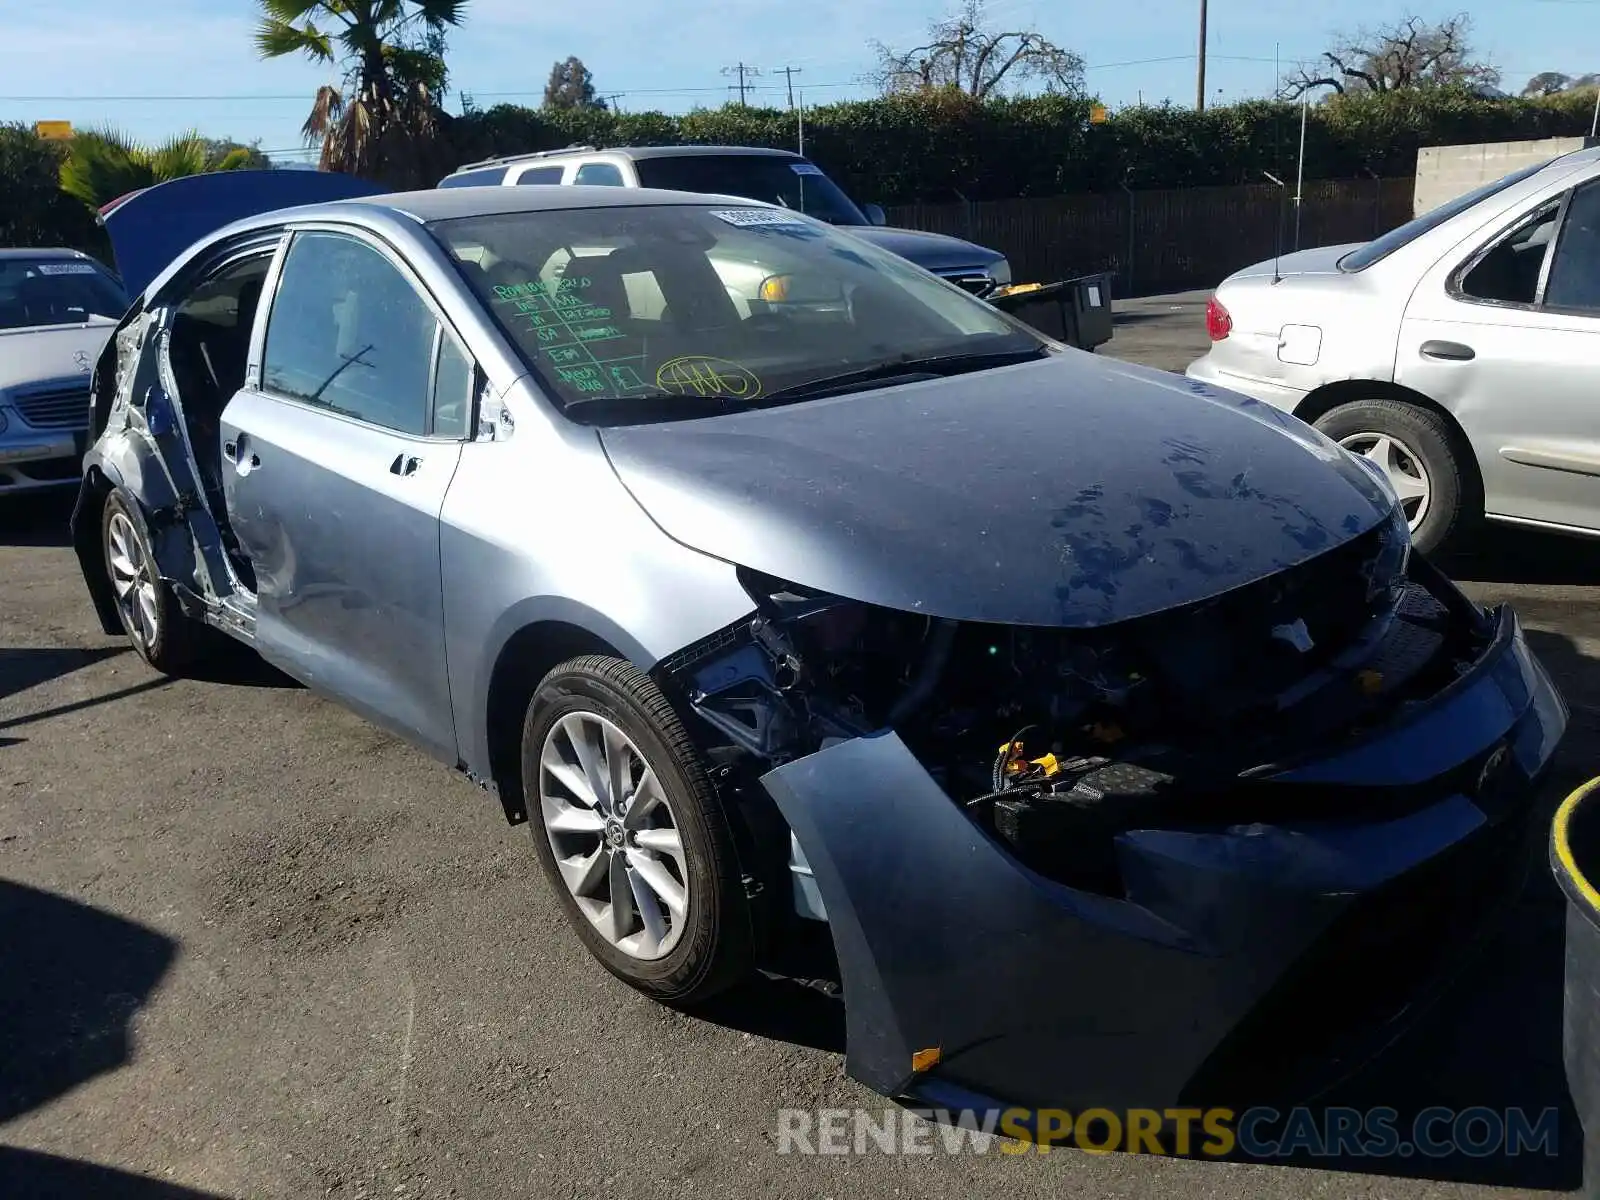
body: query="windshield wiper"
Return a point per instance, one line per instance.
(907, 368)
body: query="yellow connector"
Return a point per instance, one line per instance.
(1049, 764)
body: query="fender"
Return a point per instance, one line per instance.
(471, 698)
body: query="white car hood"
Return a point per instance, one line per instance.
(42, 354)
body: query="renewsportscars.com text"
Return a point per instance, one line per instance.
(1260, 1133)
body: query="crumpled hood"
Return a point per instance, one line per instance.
(931, 251)
(1074, 491)
(50, 353)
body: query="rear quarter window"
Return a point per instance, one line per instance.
(537, 175)
(487, 177)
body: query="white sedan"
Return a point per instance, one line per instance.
(1461, 351)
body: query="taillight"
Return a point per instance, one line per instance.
(1219, 322)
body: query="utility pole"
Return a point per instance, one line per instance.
(788, 78)
(744, 73)
(1200, 78)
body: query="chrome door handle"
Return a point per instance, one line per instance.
(404, 464)
(1448, 351)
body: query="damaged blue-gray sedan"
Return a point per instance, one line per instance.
(1103, 722)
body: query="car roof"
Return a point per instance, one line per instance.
(694, 151)
(635, 153)
(443, 204)
(381, 210)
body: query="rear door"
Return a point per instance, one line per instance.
(336, 463)
(1507, 337)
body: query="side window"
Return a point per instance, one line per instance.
(1575, 270)
(486, 177)
(1509, 272)
(452, 389)
(347, 332)
(603, 174)
(549, 175)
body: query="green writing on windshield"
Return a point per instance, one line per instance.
(580, 340)
(538, 287)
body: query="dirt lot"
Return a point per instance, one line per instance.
(250, 946)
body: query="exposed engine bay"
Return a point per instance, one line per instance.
(1055, 740)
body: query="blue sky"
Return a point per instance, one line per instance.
(154, 70)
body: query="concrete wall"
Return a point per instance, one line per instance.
(1445, 172)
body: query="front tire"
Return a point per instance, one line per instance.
(160, 631)
(1422, 455)
(630, 832)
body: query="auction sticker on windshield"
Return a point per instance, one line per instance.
(67, 268)
(747, 218)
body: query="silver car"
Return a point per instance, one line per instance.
(57, 307)
(844, 607)
(1460, 352)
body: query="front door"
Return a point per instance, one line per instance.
(336, 463)
(1508, 340)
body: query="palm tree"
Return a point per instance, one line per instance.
(382, 122)
(102, 164)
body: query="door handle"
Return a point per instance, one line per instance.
(234, 452)
(404, 464)
(1448, 351)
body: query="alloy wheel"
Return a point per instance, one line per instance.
(1407, 474)
(613, 834)
(133, 580)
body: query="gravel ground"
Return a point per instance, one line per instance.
(251, 946)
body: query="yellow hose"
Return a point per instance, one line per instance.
(1563, 849)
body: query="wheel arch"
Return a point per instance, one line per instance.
(1323, 400)
(525, 658)
(85, 526)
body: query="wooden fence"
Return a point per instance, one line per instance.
(1156, 241)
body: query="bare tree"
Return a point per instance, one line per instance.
(1547, 83)
(1409, 54)
(1553, 83)
(965, 53)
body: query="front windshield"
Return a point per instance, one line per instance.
(56, 291)
(1380, 248)
(769, 178)
(635, 305)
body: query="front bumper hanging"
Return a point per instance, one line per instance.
(1241, 956)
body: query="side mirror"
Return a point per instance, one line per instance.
(874, 214)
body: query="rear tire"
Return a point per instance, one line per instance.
(632, 815)
(1421, 447)
(161, 632)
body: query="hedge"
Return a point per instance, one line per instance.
(34, 211)
(944, 147)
